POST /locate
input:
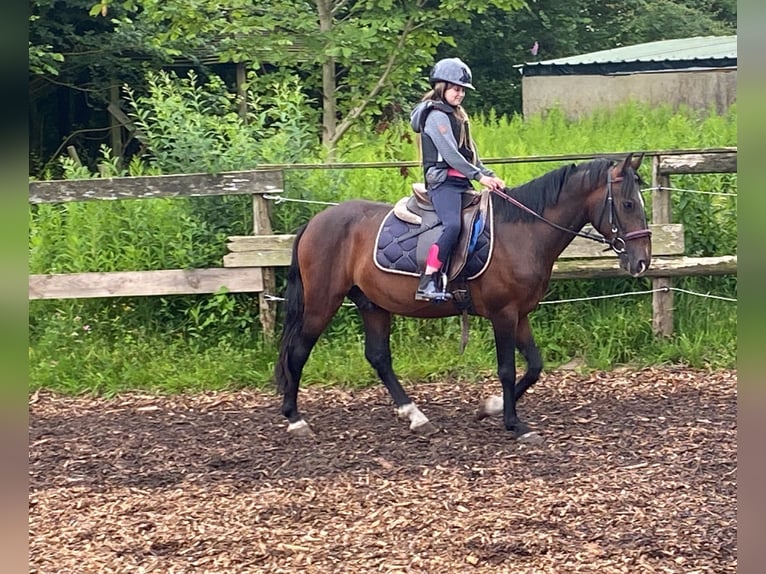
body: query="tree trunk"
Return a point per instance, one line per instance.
(329, 111)
(115, 129)
(241, 91)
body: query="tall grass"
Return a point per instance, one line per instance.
(188, 343)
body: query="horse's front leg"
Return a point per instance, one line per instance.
(505, 344)
(525, 343)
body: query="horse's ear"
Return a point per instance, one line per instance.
(630, 161)
(619, 169)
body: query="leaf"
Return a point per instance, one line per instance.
(97, 9)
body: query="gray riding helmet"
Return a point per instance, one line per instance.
(452, 70)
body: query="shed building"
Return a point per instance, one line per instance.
(700, 72)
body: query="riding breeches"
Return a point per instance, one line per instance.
(447, 199)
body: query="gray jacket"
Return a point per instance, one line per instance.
(438, 128)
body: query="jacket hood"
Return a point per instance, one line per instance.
(420, 111)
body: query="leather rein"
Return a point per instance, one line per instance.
(616, 244)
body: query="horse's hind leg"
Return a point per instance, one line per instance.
(377, 351)
(295, 351)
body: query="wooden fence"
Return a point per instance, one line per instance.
(260, 279)
(249, 264)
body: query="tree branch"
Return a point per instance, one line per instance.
(354, 113)
(338, 6)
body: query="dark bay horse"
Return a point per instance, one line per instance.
(533, 223)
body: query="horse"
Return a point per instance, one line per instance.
(332, 259)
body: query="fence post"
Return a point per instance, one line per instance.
(662, 297)
(267, 311)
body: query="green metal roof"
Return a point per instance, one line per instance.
(700, 51)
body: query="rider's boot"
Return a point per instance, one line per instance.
(429, 288)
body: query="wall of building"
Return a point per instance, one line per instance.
(580, 95)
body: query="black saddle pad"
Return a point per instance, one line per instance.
(396, 247)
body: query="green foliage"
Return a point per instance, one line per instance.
(79, 50)
(80, 361)
(192, 343)
(357, 60)
(357, 55)
(194, 127)
(190, 126)
(44, 60)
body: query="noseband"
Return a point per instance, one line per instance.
(617, 243)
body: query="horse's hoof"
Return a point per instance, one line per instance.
(426, 429)
(530, 437)
(490, 407)
(300, 429)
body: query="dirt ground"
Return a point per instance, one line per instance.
(637, 473)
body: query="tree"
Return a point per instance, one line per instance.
(74, 62)
(357, 54)
(360, 58)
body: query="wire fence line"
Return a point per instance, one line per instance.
(661, 187)
(275, 298)
(646, 292)
(277, 199)
(281, 199)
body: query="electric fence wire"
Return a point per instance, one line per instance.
(281, 199)
(661, 187)
(269, 297)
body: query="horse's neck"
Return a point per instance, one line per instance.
(570, 217)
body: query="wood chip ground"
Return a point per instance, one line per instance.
(637, 474)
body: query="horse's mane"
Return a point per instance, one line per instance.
(545, 190)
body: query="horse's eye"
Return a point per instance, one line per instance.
(627, 204)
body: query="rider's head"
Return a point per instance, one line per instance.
(452, 71)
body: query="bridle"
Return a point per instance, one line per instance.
(617, 243)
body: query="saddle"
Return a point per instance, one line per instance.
(412, 226)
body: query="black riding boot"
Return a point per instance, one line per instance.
(429, 289)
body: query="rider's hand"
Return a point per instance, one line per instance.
(494, 183)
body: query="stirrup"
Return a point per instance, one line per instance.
(434, 296)
(430, 289)
(438, 297)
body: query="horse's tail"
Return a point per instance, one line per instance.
(293, 316)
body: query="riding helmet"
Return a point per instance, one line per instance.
(452, 70)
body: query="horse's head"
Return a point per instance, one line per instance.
(621, 219)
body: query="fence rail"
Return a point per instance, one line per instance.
(249, 265)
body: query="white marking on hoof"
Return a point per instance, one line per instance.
(490, 407)
(531, 437)
(299, 428)
(412, 412)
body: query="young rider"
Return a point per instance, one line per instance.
(450, 163)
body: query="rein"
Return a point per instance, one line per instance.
(616, 244)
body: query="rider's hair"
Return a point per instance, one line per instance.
(436, 94)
